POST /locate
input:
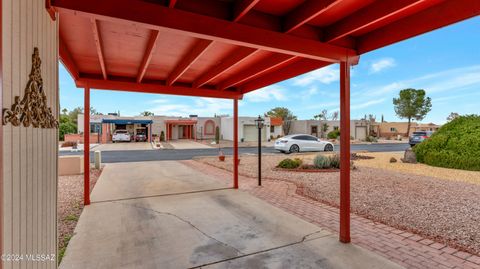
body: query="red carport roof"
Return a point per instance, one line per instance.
(225, 48)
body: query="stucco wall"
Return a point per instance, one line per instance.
(304, 127)
(29, 154)
(226, 130)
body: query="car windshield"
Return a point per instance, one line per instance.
(121, 132)
(419, 133)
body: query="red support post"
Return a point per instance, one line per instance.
(344, 152)
(86, 147)
(235, 143)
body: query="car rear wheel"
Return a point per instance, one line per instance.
(328, 147)
(294, 148)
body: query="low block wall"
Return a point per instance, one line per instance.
(70, 165)
(94, 138)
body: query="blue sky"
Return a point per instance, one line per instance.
(445, 62)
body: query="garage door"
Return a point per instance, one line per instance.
(250, 133)
(361, 132)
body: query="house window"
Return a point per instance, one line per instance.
(272, 129)
(209, 127)
(393, 129)
(314, 130)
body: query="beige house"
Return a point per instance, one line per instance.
(393, 129)
(359, 129)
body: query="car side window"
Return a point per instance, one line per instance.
(312, 138)
(302, 137)
(298, 137)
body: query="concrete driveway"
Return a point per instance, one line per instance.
(187, 144)
(124, 146)
(180, 224)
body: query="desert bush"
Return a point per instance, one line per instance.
(322, 161)
(455, 145)
(217, 135)
(69, 144)
(162, 136)
(335, 160)
(333, 134)
(289, 163)
(371, 139)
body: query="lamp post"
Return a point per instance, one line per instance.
(259, 123)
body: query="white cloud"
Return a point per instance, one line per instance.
(367, 104)
(382, 64)
(324, 75)
(159, 101)
(267, 94)
(202, 106)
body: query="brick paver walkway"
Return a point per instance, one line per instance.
(404, 248)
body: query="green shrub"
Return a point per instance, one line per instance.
(333, 134)
(335, 160)
(322, 161)
(454, 145)
(217, 135)
(371, 139)
(162, 136)
(289, 163)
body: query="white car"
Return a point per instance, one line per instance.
(302, 142)
(121, 135)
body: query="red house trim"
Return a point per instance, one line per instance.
(205, 127)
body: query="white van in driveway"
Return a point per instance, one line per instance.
(121, 135)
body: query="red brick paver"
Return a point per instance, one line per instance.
(407, 249)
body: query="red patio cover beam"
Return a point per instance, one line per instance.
(155, 16)
(152, 41)
(171, 3)
(193, 54)
(306, 12)
(264, 66)
(98, 44)
(230, 61)
(242, 7)
(294, 69)
(446, 13)
(374, 13)
(154, 88)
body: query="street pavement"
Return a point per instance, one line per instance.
(188, 154)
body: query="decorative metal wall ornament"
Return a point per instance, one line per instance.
(32, 109)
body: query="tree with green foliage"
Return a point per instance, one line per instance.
(412, 104)
(324, 130)
(74, 114)
(66, 126)
(452, 116)
(285, 114)
(146, 113)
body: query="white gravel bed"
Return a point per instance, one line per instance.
(443, 210)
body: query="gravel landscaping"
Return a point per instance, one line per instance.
(446, 211)
(70, 205)
(381, 160)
